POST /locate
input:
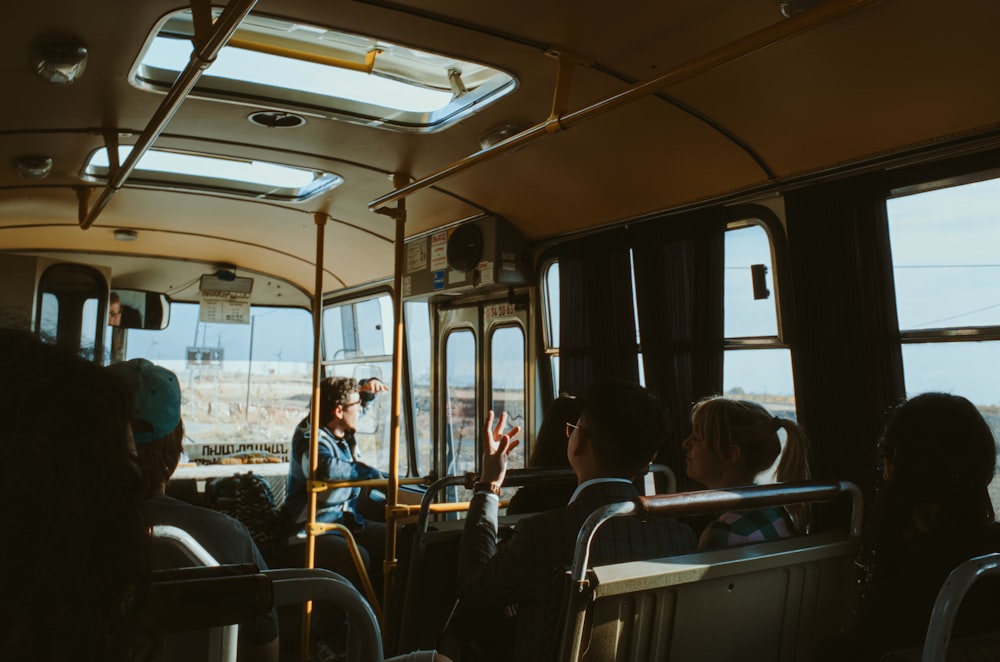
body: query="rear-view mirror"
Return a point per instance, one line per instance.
(137, 309)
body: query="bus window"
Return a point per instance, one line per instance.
(460, 423)
(550, 320)
(756, 365)
(68, 311)
(418, 339)
(244, 387)
(357, 339)
(946, 272)
(507, 361)
(89, 326)
(48, 324)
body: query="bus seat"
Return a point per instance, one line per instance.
(773, 600)
(201, 598)
(938, 644)
(176, 548)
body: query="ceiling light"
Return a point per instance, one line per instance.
(59, 61)
(126, 235)
(33, 166)
(275, 119)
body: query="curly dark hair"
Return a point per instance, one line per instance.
(77, 549)
(334, 391)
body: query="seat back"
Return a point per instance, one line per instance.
(772, 601)
(949, 599)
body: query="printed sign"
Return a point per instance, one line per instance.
(416, 256)
(439, 251)
(224, 308)
(499, 310)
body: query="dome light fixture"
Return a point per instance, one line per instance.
(33, 166)
(59, 60)
(276, 119)
(126, 235)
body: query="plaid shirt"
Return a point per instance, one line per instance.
(520, 571)
(740, 528)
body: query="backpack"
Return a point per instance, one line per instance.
(247, 498)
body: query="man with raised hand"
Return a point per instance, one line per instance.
(610, 445)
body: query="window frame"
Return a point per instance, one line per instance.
(408, 440)
(919, 185)
(256, 38)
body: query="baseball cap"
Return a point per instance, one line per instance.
(156, 397)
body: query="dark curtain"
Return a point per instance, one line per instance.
(847, 360)
(679, 294)
(597, 336)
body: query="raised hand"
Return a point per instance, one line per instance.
(373, 385)
(496, 448)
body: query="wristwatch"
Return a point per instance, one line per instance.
(492, 487)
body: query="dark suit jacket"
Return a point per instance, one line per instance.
(521, 570)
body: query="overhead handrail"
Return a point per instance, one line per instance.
(815, 17)
(711, 501)
(200, 60)
(949, 598)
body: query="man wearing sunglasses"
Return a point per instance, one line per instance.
(342, 403)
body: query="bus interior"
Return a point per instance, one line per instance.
(484, 205)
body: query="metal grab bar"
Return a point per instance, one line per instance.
(324, 485)
(709, 501)
(514, 478)
(299, 585)
(959, 581)
(223, 641)
(185, 542)
(668, 474)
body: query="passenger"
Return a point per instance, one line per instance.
(613, 441)
(343, 401)
(933, 512)
(550, 452)
(76, 547)
(731, 442)
(114, 310)
(158, 432)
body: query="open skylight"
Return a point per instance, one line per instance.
(315, 70)
(216, 174)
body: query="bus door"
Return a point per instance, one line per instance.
(482, 360)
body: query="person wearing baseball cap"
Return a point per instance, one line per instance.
(158, 432)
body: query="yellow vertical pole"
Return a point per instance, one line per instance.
(392, 496)
(314, 413)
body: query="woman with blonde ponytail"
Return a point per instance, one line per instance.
(732, 441)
